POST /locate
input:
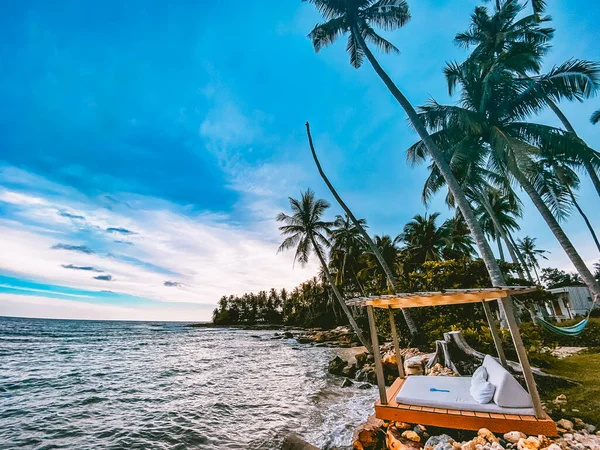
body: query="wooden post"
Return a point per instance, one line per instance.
(377, 356)
(396, 344)
(495, 335)
(523, 360)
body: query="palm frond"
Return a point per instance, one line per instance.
(325, 34)
(595, 117)
(355, 50)
(387, 14)
(329, 8)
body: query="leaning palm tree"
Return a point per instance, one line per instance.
(307, 233)
(531, 253)
(491, 120)
(357, 18)
(520, 44)
(371, 245)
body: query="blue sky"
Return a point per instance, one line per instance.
(146, 147)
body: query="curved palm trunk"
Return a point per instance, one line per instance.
(388, 272)
(461, 200)
(558, 232)
(340, 300)
(587, 164)
(584, 216)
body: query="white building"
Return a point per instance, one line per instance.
(568, 302)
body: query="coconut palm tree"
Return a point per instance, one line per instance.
(307, 232)
(348, 243)
(423, 239)
(491, 120)
(358, 18)
(371, 245)
(557, 181)
(531, 254)
(458, 242)
(374, 270)
(520, 43)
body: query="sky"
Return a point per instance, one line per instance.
(146, 147)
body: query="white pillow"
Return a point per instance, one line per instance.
(482, 391)
(479, 375)
(509, 393)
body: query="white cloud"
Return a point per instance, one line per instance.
(207, 253)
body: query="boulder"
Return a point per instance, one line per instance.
(349, 371)
(365, 386)
(411, 435)
(560, 400)
(336, 366)
(487, 435)
(514, 436)
(288, 335)
(361, 360)
(531, 443)
(368, 437)
(566, 424)
(347, 383)
(469, 445)
(395, 441)
(402, 426)
(441, 442)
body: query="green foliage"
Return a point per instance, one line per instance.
(589, 338)
(554, 278)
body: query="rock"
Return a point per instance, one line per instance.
(560, 400)
(361, 359)
(374, 421)
(554, 447)
(469, 445)
(336, 366)
(487, 435)
(368, 437)
(367, 373)
(496, 446)
(433, 441)
(403, 426)
(578, 423)
(531, 443)
(411, 435)
(349, 371)
(347, 383)
(514, 436)
(416, 365)
(365, 386)
(566, 424)
(544, 441)
(443, 446)
(394, 441)
(288, 335)
(590, 428)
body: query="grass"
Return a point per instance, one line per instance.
(585, 368)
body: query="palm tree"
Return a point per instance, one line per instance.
(504, 37)
(372, 246)
(490, 123)
(357, 18)
(531, 254)
(458, 242)
(595, 117)
(423, 239)
(374, 270)
(349, 243)
(556, 181)
(307, 232)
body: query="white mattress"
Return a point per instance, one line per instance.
(416, 391)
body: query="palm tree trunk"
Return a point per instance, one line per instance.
(340, 299)
(485, 250)
(558, 232)
(505, 236)
(517, 252)
(585, 218)
(388, 272)
(587, 164)
(500, 250)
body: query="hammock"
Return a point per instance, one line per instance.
(572, 331)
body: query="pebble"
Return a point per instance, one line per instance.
(566, 424)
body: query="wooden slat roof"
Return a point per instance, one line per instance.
(446, 297)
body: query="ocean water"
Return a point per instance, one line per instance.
(141, 385)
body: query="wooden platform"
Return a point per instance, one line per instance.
(464, 420)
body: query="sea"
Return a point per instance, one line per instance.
(78, 384)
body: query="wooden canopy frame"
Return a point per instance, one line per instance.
(388, 409)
